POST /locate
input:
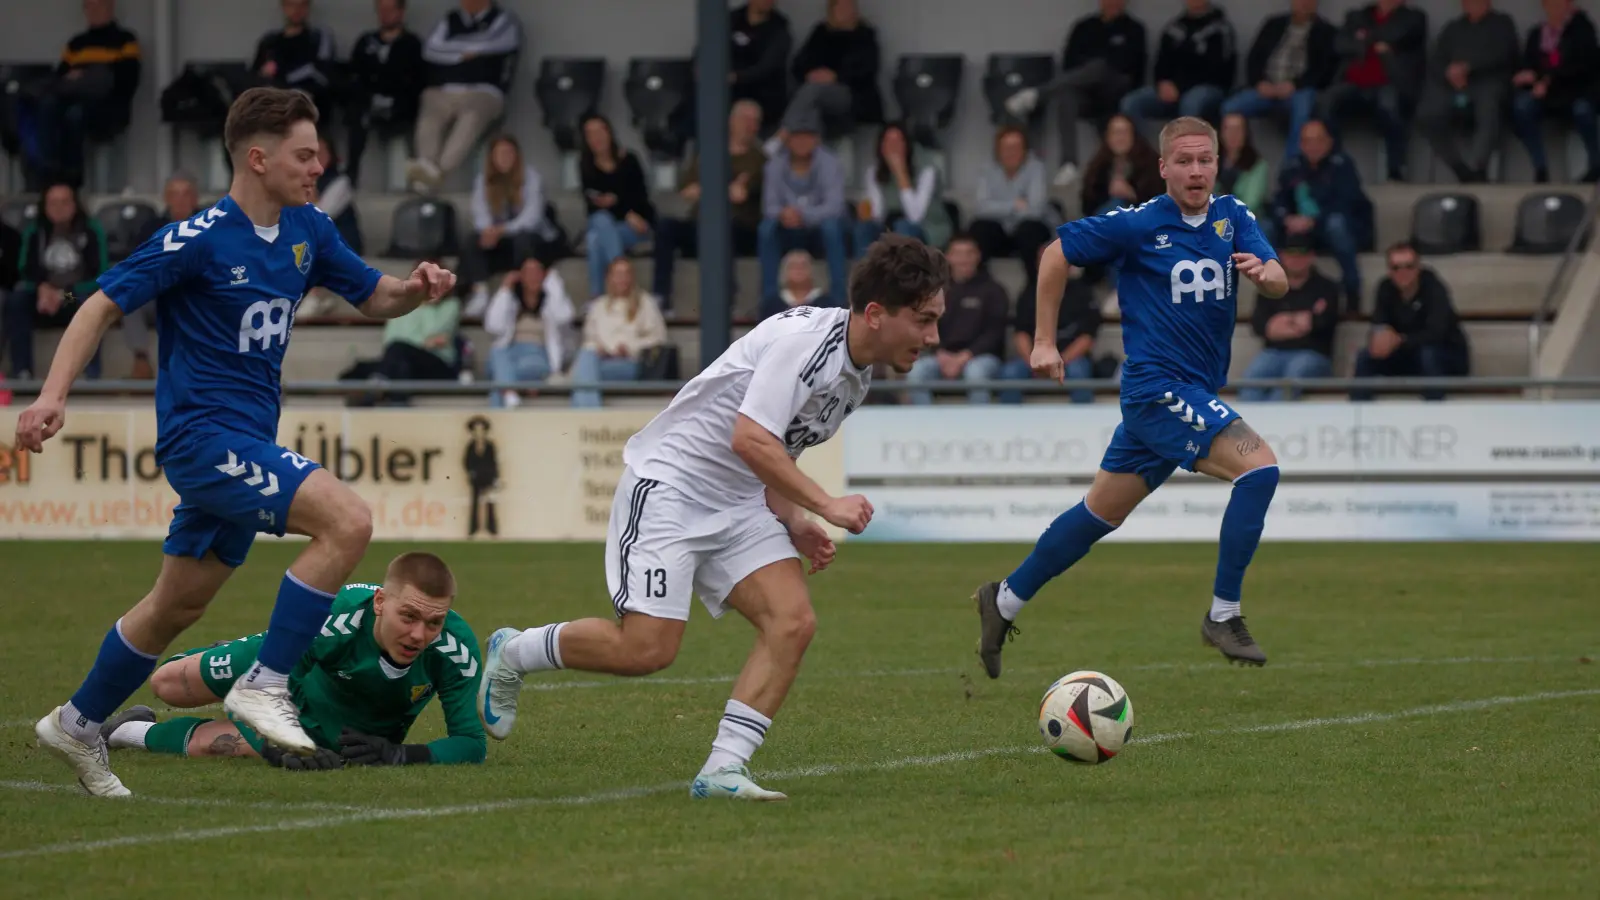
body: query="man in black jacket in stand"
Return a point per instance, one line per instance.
(385, 80)
(1415, 329)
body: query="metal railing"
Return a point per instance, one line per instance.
(1312, 386)
(1559, 282)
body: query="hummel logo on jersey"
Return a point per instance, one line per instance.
(193, 228)
(1162, 243)
(238, 275)
(448, 645)
(233, 468)
(343, 623)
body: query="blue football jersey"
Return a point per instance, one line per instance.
(1176, 289)
(227, 292)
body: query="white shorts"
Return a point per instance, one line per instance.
(662, 546)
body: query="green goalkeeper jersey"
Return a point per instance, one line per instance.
(344, 680)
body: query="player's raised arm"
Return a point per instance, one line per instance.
(394, 297)
(1053, 274)
(765, 454)
(1255, 259)
(41, 420)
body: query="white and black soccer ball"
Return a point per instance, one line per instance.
(1086, 717)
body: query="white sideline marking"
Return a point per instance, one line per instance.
(817, 771)
(538, 684)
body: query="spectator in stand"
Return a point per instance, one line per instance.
(90, 96)
(1297, 329)
(904, 194)
(528, 320)
(508, 220)
(1241, 171)
(421, 345)
(1471, 66)
(1382, 51)
(1292, 59)
(799, 287)
(803, 205)
(616, 197)
(758, 60)
(747, 162)
(299, 56)
(182, 199)
(10, 250)
(972, 331)
(1076, 326)
(1560, 75)
(335, 196)
(618, 327)
(1320, 200)
(1013, 216)
(1194, 67)
(63, 254)
(470, 57)
(1104, 59)
(1125, 171)
(385, 81)
(837, 69)
(1415, 329)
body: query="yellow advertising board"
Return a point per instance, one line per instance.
(429, 474)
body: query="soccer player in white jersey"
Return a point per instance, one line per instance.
(1177, 290)
(712, 503)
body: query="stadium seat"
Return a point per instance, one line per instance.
(1546, 222)
(569, 89)
(659, 90)
(126, 223)
(1008, 73)
(1445, 223)
(422, 228)
(926, 87)
(19, 211)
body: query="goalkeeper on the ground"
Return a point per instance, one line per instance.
(383, 654)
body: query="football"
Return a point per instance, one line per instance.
(1086, 717)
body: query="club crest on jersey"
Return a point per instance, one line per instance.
(418, 691)
(302, 257)
(1223, 228)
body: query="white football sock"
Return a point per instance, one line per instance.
(76, 724)
(536, 649)
(261, 677)
(739, 736)
(1223, 610)
(130, 735)
(1010, 604)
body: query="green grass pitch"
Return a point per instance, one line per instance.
(1428, 726)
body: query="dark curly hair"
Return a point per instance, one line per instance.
(897, 272)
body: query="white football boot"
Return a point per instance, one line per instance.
(271, 712)
(733, 782)
(88, 762)
(500, 688)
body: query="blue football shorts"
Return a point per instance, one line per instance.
(230, 488)
(1170, 426)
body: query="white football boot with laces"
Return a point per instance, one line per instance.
(732, 782)
(88, 761)
(271, 712)
(500, 688)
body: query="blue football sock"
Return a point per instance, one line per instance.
(118, 671)
(1065, 542)
(1241, 528)
(296, 620)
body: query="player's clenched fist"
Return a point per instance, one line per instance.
(39, 423)
(1250, 266)
(851, 513)
(813, 543)
(1046, 361)
(432, 280)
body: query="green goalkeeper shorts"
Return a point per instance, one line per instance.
(223, 663)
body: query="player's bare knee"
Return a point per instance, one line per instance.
(648, 657)
(179, 685)
(793, 628)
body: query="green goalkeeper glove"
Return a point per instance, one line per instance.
(360, 749)
(320, 761)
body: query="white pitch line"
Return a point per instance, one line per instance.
(828, 769)
(44, 787)
(668, 680)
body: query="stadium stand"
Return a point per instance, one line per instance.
(1499, 245)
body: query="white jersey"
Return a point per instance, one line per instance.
(792, 375)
